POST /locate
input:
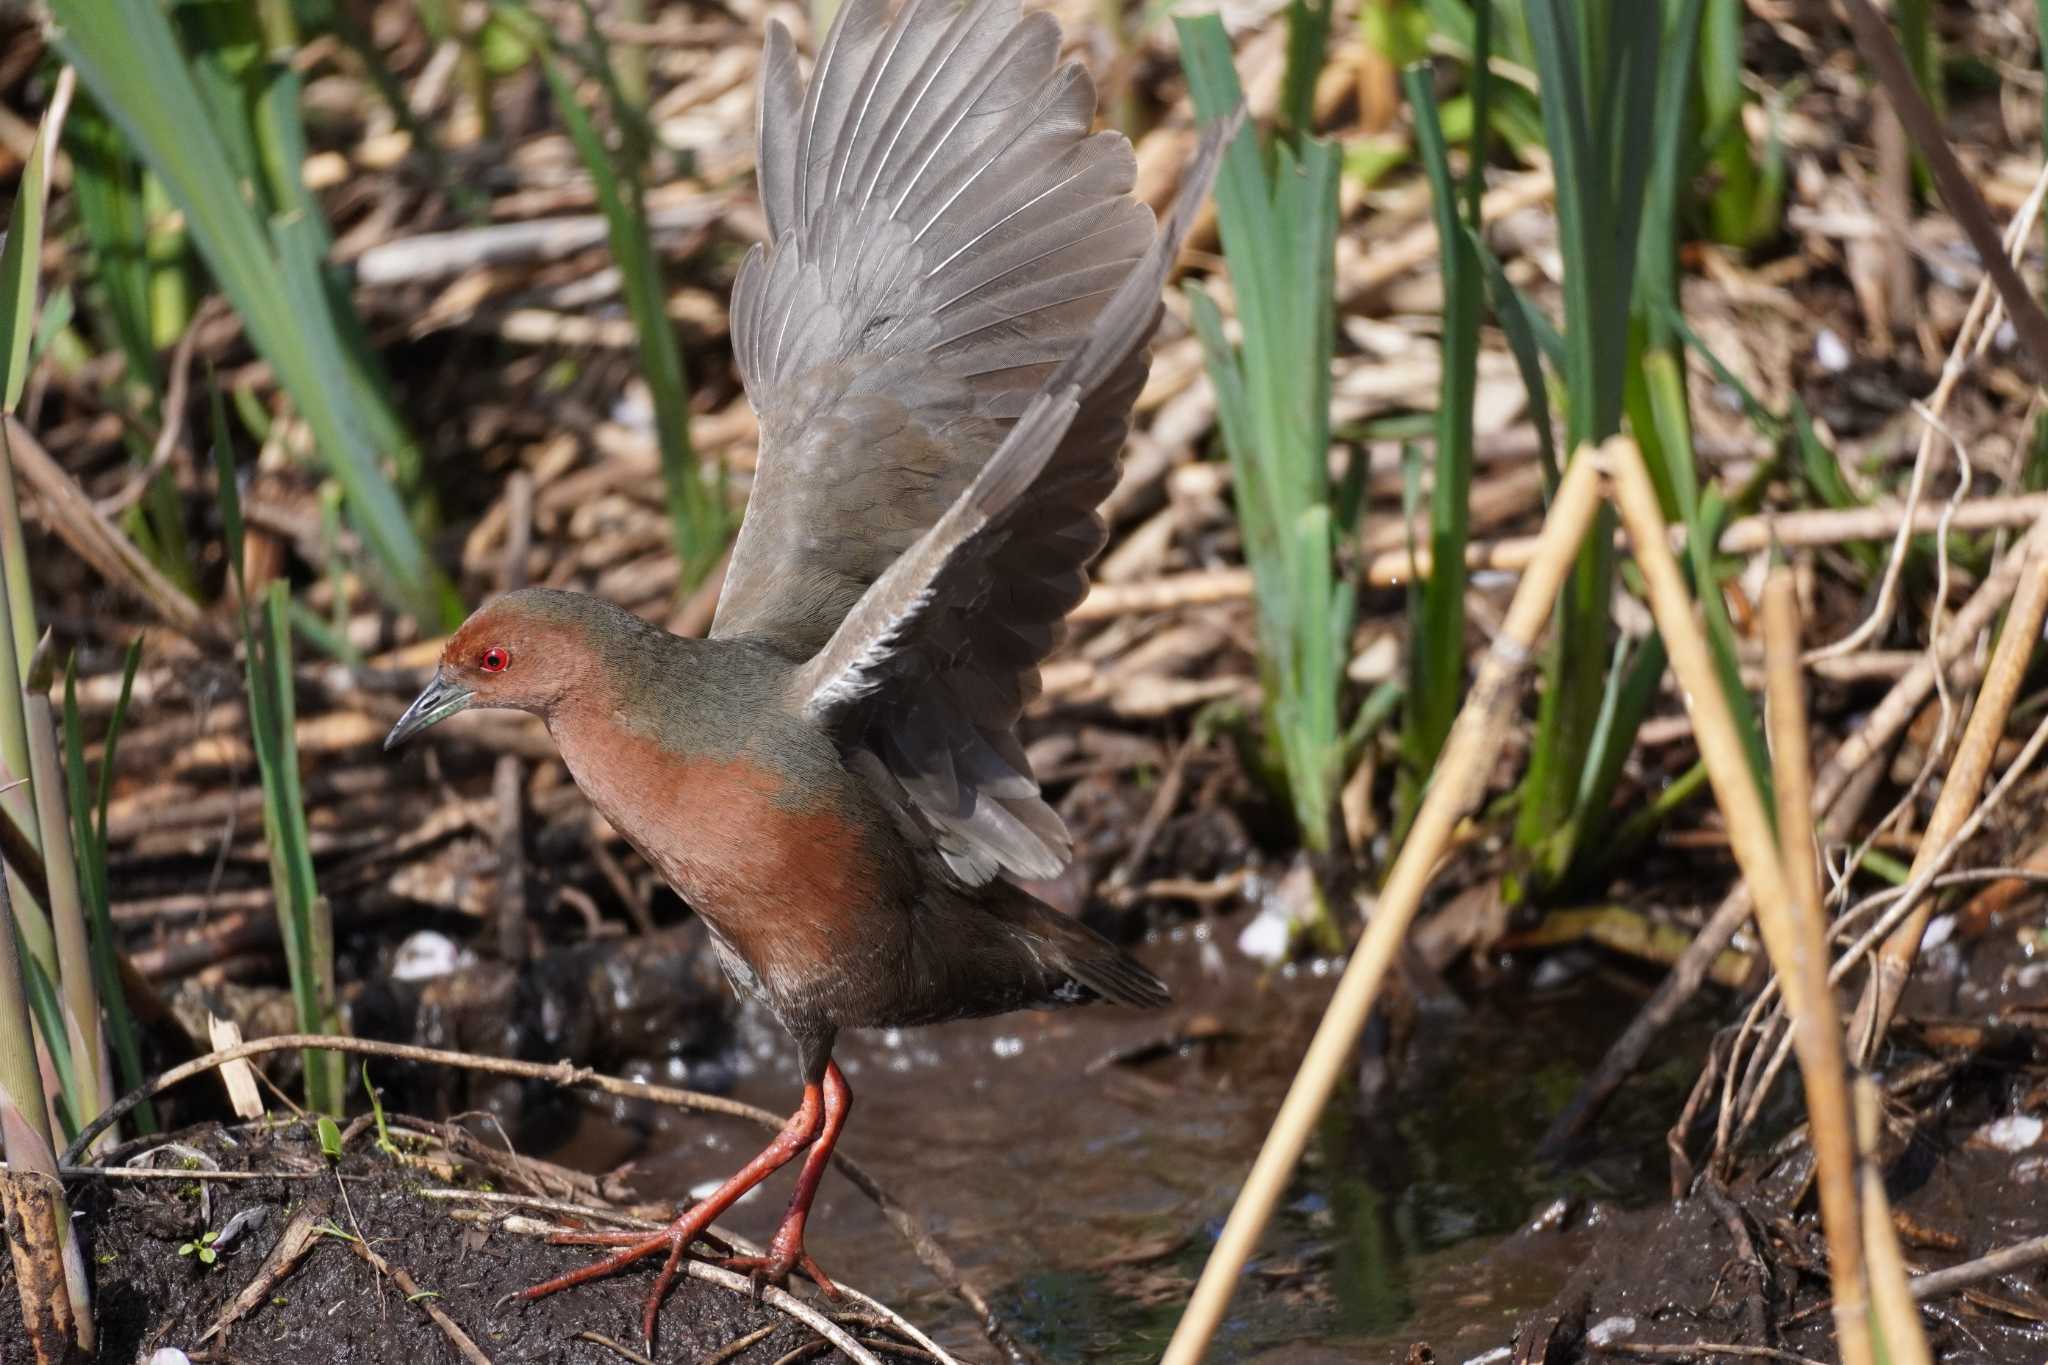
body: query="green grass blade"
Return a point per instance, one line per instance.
(106, 190)
(304, 918)
(20, 269)
(129, 58)
(1277, 217)
(89, 834)
(697, 512)
(19, 272)
(1308, 38)
(130, 663)
(1436, 659)
(87, 1089)
(1520, 321)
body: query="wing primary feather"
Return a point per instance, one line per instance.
(900, 115)
(1059, 88)
(942, 337)
(940, 135)
(867, 96)
(1126, 321)
(854, 660)
(978, 238)
(777, 115)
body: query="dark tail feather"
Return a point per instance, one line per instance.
(1093, 961)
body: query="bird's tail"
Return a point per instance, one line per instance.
(1086, 958)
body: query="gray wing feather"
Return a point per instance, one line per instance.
(934, 662)
(942, 337)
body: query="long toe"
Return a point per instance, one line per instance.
(777, 1266)
(636, 1251)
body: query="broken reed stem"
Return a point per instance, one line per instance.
(1818, 1029)
(1460, 776)
(1787, 906)
(1961, 785)
(1893, 1311)
(933, 1256)
(2018, 1256)
(49, 1273)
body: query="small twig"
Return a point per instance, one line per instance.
(292, 1245)
(409, 1287)
(1157, 812)
(541, 1204)
(739, 1345)
(125, 1173)
(2016, 1257)
(627, 1352)
(1961, 783)
(785, 1302)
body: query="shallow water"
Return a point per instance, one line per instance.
(1081, 1194)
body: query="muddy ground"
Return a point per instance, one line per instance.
(153, 1290)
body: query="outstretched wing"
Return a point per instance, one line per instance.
(925, 677)
(943, 231)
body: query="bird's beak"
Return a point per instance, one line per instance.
(440, 700)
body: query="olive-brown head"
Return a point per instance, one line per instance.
(523, 651)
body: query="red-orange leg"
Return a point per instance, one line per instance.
(800, 1132)
(786, 1252)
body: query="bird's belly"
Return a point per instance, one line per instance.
(789, 882)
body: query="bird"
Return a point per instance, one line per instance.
(943, 337)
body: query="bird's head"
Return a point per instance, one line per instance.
(521, 652)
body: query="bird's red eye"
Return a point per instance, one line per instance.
(494, 660)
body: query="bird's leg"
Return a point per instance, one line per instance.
(800, 1132)
(786, 1251)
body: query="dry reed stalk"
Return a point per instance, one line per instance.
(1893, 1311)
(37, 1234)
(49, 1274)
(1961, 786)
(72, 515)
(1836, 777)
(1818, 1026)
(1461, 772)
(1392, 568)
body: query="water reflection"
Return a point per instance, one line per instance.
(1082, 1195)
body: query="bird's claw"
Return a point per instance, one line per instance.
(777, 1266)
(674, 1240)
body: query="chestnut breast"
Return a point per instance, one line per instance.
(781, 862)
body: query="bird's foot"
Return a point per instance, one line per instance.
(785, 1254)
(674, 1240)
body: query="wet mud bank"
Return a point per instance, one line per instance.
(381, 1256)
